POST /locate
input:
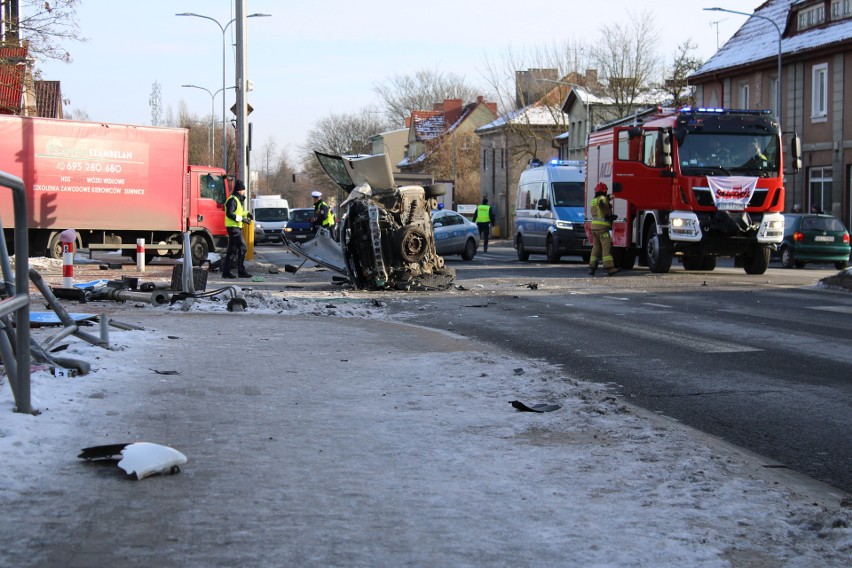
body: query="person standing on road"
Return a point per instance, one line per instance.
(602, 218)
(484, 218)
(323, 215)
(235, 216)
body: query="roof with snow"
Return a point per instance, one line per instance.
(757, 39)
(534, 115)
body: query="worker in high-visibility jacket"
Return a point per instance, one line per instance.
(602, 218)
(323, 214)
(235, 216)
(484, 218)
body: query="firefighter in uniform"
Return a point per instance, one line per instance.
(323, 215)
(602, 219)
(484, 218)
(235, 216)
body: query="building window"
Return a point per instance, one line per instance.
(773, 96)
(819, 184)
(811, 17)
(841, 9)
(819, 92)
(743, 96)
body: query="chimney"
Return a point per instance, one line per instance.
(591, 78)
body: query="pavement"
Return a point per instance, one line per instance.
(359, 441)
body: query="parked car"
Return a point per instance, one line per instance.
(810, 238)
(300, 228)
(455, 234)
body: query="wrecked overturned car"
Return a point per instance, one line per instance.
(386, 239)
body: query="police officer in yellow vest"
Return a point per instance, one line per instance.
(484, 218)
(602, 219)
(235, 216)
(323, 215)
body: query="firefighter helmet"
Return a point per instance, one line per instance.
(601, 188)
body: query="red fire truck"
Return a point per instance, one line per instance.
(696, 183)
(113, 184)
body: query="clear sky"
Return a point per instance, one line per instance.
(313, 58)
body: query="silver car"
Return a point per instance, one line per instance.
(455, 234)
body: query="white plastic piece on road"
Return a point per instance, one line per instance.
(145, 458)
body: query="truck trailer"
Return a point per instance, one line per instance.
(112, 184)
(694, 183)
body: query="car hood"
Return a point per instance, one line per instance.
(572, 214)
(351, 171)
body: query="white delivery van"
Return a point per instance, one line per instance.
(271, 214)
(549, 212)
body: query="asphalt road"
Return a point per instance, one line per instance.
(760, 361)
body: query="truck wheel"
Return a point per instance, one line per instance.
(54, 245)
(693, 262)
(658, 251)
(551, 251)
(787, 257)
(198, 248)
(523, 255)
(709, 263)
(469, 250)
(758, 261)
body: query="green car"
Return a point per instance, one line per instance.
(812, 238)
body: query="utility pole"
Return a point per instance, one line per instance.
(242, 166)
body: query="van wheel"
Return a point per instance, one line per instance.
(840, 265)
(552, 253)
(55, 247)
(523, 255)
(469, 250)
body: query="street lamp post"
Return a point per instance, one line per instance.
(224, 29)
(777, 29)
(212, 136)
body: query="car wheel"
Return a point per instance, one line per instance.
(523, 255)
(841, 264)
(658, 250)
(469, 250)
(552, 253)
(412, 243)
(787, 257)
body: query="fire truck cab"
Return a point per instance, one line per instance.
(696, 183)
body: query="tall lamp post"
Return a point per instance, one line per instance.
(224, 29)
(777, 29)
(211, 137)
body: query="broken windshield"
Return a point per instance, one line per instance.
(729, 154)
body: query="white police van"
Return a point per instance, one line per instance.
(549, 211)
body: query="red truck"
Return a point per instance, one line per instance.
(113, 184)
(696, 183)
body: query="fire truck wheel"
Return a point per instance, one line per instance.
(658, 251)
(523, 255)
(693, 262)
(758, 261)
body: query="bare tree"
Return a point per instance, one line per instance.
(44, 25)
(340, 134)
(627, 60)
(675, 87)
(401, 94)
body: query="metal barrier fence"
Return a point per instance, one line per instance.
(16, 300)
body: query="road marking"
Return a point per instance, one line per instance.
(681, 339)
(838, 309)
(655, 305)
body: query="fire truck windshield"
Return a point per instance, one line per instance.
(717, 153)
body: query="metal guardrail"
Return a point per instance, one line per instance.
(17, 301)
